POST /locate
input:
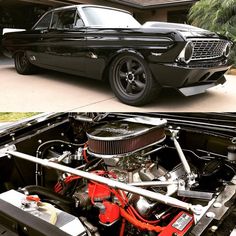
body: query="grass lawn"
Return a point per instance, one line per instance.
(14, 116)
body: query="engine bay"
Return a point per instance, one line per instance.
(115, 174)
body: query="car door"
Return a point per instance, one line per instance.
(63, 43)
(33, 39)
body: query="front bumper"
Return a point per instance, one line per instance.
(202, 76)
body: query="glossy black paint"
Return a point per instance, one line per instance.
(89, 51)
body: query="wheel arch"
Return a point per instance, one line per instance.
(17, 51)
(114, 55)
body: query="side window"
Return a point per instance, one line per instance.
(78, 21)
(55, 20)
(44, 23)
(64, 19)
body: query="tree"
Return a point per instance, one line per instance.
(216, 15)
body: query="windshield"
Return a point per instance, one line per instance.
(109, 18)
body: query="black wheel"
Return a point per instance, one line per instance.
(22, 64)
(131, 80)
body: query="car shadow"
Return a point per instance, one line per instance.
(174, 98)
(166, 97)
(167, 100)
(171, 100)
(86, 83)
(5, 60)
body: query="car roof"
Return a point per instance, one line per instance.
(80, 6)
(88, 5)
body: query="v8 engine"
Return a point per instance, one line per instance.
(106, 174)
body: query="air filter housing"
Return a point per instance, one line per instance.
(123, 137)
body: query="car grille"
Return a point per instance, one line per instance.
(208, 49)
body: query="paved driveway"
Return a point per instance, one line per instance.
(53, 91)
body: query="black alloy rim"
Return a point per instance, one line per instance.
(22, 60)
(131, 77)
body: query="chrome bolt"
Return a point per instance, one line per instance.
(210, 214)
(217, 205)
(214, 228)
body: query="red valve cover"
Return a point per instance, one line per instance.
(98, 192)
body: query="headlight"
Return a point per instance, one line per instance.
(227, 49)
(187, 53)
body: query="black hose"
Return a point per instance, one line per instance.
(39, 154)
(57, 141)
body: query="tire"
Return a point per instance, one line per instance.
(22, 64)
(131, 80)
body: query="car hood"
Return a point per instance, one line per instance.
(184, 29)
(11, 127)
(225, 122)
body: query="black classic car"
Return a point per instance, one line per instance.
(101, 42)
(97, 174)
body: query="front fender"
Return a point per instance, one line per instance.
(112, 57)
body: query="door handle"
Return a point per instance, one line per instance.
(44, 31)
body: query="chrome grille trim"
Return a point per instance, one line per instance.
(206, 49)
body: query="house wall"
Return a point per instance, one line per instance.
(17, 13)
(174, 14)
(151, 15)
(156, 14)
